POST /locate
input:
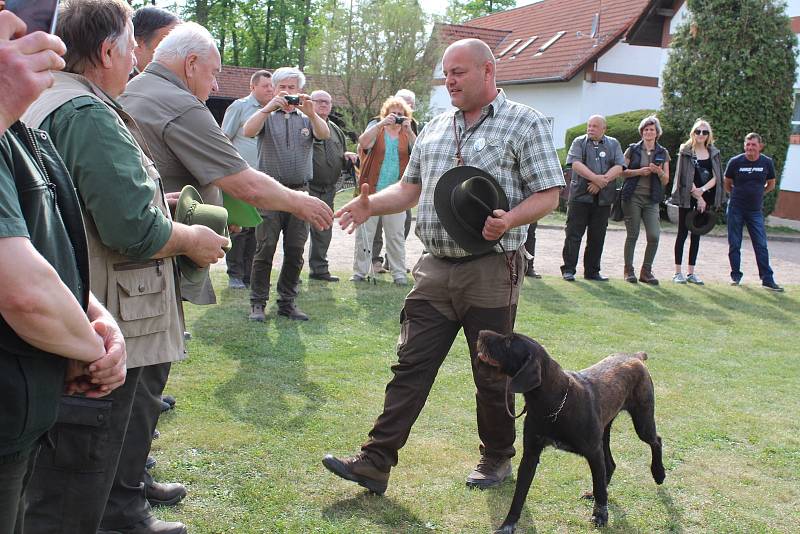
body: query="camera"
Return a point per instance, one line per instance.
(399, 119)
(658, 160)
(293, 100)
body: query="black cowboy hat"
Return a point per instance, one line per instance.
(701, 223)
(464, 197)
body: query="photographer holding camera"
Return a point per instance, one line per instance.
(646, 174)
(286, 149)
(384, 149)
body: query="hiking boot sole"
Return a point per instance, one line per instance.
(339, 469)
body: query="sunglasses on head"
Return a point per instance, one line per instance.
(701, 132)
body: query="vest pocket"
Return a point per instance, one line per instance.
(142, 298)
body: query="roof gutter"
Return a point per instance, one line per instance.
(548, 79)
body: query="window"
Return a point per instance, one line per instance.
(509, 47)
(549, 43)
(796, 114)
(525, 45)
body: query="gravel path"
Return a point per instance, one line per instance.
(712, 265)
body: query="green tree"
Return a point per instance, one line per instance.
(733, 63)
(459, 11)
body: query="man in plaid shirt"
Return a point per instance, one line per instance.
(452, 289)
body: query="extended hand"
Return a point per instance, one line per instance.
(496, 225)
(355, 212)
(313, 210)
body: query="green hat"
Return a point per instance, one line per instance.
(240, 213)
(191, 210)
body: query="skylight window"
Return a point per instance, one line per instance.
(525, 45)
(509, 47)
(549, 43)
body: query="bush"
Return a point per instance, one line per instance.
(733, 63)
(625, 128)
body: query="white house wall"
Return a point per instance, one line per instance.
(627, 59)
(613, 98)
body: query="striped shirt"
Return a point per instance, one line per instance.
(510, 141)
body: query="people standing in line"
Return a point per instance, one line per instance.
(698, 172)
(286, 128)
(452, 288)
(646, 174)
(385, 148)
(239, 258)
(596, 161)
(55, 336)
(748, 177)
(132, 243)
(378, 263)
(330, 158)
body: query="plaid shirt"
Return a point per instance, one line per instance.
(513, 143)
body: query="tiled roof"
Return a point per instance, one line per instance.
(564, 58)
(234, 82)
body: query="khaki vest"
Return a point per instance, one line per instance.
(142, 295)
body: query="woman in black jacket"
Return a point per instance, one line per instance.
(698, 180)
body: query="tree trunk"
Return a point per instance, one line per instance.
(267, 26)
(304, 35)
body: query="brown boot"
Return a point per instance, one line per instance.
(646, 276)
(359, 469)
(629, 275)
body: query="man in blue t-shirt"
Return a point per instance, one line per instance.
(747, 177)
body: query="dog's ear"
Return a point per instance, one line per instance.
(528, 377)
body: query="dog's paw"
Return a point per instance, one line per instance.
(600, 516)
(506, 529)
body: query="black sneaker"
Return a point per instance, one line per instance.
(358, 469)
(772, 286)
(489, 472)
(569, 277)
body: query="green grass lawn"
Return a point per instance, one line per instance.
(260, 404)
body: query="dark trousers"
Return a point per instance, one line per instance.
(589, 218)
(446, 298)
(680, 240)
(127, 504)
(754, 219)
(240, 257)
(72, 480)
(321, 239)
(530, 241)
(15, 472)
(295, 233)
(377, 242)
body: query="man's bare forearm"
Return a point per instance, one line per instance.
(396, 198)
(254, 124)
(534, 207)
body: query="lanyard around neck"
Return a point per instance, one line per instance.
(459, 143)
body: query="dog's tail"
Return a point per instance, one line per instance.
(641, 355)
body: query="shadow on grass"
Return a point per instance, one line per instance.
(674, 513)
(381, 510)
(499, 502)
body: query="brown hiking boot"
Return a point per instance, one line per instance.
(646, 276)
(359, 469)
(630, 275)
(489, 472)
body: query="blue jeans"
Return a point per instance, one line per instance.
(754, 219)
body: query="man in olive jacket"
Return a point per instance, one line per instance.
(96, 473)
(596, 160)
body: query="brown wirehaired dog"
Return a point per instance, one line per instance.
(573, 411)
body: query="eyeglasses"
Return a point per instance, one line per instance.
(702, 132)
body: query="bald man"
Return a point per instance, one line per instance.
(454, 290)
(596, 160)
(330, 157)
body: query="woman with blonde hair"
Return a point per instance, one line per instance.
(697, 176)
(384, 149)
(646, 174)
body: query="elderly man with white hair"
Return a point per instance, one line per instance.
(286, 128)
(188, 146)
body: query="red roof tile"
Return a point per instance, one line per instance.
(567, 56)
(234, 82)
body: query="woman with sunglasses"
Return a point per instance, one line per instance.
(697, 173)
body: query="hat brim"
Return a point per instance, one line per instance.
(189, 195)
(190, 271)
(701, 223)
(472, 242)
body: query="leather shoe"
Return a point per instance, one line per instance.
(159, 494)
(325, 277)
(169, 399)
(150, 463)
(165, 406)
(598, 277)
(151, 525)
(359, 469)
(569, 277)
(489, 472)
(291, 311)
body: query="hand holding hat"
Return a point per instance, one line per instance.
(210, 228)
